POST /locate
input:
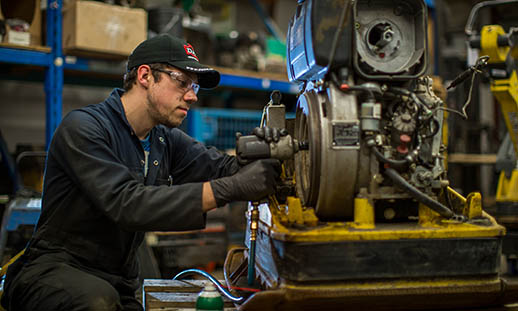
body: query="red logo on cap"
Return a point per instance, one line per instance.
(189, 50)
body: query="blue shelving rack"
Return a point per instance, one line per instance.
(218, 127)
(260, 84)
(55, 62)
(52, 61)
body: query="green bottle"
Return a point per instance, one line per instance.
(209, 299)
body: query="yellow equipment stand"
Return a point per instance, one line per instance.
(432, 263)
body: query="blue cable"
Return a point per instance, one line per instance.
(213, 280)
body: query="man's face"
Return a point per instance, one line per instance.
(170, 98)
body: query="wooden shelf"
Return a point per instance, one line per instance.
(38, 48)
(469, 158)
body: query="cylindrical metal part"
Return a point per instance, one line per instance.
(250, 147)
(284, 149)
(370, 116)
(254, 223)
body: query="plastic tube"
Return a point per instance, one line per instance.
(213, 280)
(251, 263)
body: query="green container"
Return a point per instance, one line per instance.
(209, 299)
(275, 47)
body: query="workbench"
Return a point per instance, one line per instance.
(169, 295)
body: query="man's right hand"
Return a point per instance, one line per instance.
(252, 182)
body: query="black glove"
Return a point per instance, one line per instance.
(252, 182)
(269, 134)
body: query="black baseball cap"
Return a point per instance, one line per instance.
(176, 52)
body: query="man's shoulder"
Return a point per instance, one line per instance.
(90, 112)
(101, 112)
(92, 118)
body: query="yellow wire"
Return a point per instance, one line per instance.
(4, 267)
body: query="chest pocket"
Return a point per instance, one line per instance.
(164, 177)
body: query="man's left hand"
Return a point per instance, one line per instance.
(269, 134)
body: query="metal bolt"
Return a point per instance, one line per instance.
(58, 61)
(377, 178)
(389, 213)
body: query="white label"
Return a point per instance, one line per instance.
(19, 37)
(70, 59)
(34, 203)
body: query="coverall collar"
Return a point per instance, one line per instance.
(114, 101)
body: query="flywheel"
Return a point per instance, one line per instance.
(327, 173)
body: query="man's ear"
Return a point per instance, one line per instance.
(144, 75)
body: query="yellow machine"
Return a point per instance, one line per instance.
(365, 216)
(502, 49)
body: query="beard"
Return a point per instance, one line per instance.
(169, 120)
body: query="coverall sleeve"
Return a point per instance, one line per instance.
(193, 161)
(83, 147)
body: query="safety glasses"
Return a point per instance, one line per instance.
(185, 83)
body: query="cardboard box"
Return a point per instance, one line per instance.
(27, 10)
(99, 29)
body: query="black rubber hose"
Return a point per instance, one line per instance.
(417, 194)
(336, 38)
(435, 128)
(382, 158)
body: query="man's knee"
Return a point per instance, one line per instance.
(61, 287)
(95, 296)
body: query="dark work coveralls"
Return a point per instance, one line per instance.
(97, 204)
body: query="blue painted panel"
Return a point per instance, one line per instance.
(24, 57)
(18, 218)
(258, 84)
(23, 211)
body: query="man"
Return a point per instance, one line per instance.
(118, 169)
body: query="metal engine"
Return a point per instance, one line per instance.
(367, 110)
(365, 208)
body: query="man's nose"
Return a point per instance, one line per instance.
(190, 97)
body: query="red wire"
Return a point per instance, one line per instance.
(243, 288)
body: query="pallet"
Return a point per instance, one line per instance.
(169, 295)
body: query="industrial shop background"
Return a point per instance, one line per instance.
(245, 40)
